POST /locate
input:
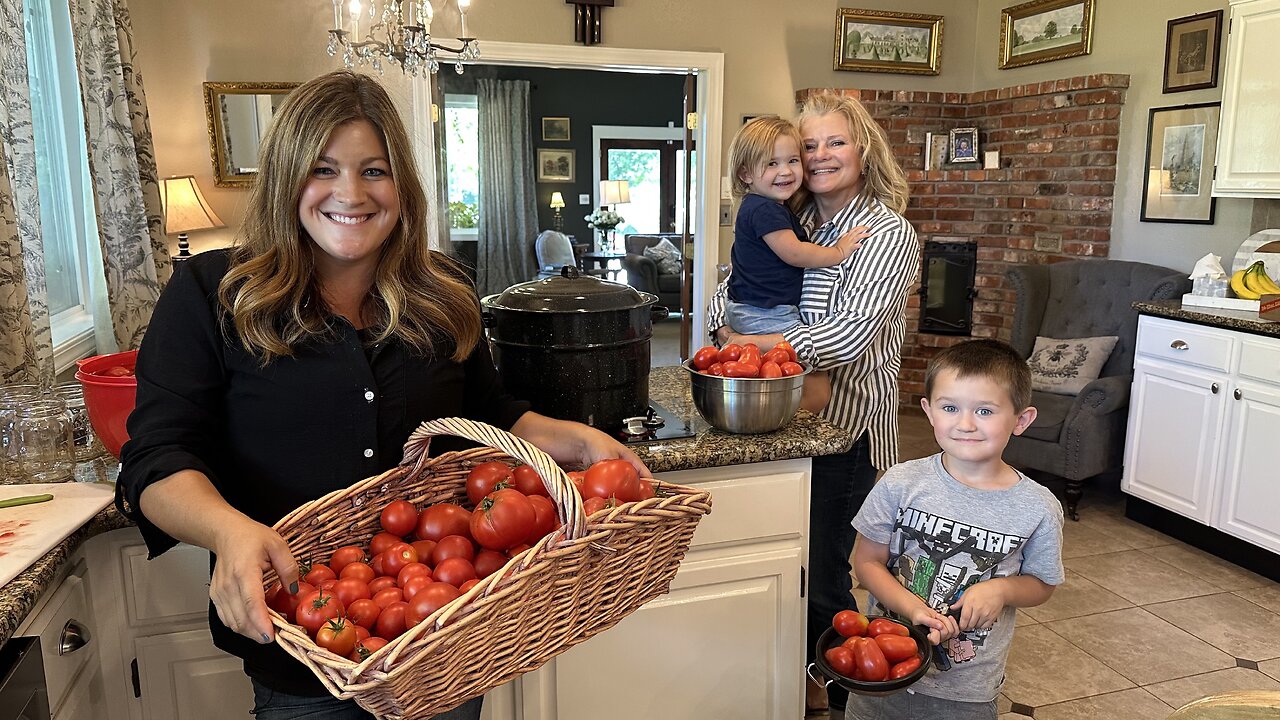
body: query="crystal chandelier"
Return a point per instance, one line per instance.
(397, 32)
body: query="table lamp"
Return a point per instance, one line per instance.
(614, 192)
(557, 204)
(185, 210)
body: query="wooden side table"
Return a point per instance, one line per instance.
(596, 262)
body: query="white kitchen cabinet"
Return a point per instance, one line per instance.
(159, 661)
(1203, 426)
(726, 641)
(1248, 145)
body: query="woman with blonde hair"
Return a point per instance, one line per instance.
(854, 324)
(298, 362)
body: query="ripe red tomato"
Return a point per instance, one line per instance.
(362, 633)
(716, 369)
(390, 623)
(777, 356)
(729, 352)
(413, 585)
(840, 659)
(116, 371)
(410, 571)
(399, 517)
(612, 478)
(281, 601)
(318, 573)
(367, 647)
(647, 490)
(453, 546)
(397, 557)
(344, 556)
(363, 612)
(428, 600)
(850, 623)
(791, 368)
(359, 570)
(348, 590)
(868, 660)
(529, 482)
(593, 505)
(384, 598)
(516, 550)
(376, 562)
(455, 571)
(318, 608)
(740, 370)
(380, 583)
(337, 636)
(896, 648)
(468, 585)
(784, 345)
(489, 562)
(904, 668)
(880, 626)
(770, 369)
(444, 519)
(544, 517)
(380, 542)
(484, 477)
(705, 357)
(577, 477)
(424, 548)
(504, 519)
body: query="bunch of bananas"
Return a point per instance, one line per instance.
(1253, 282)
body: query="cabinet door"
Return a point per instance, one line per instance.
(184, 677)
(1171, 455)
(722, 644)
(1250, 493)
(1248, 144)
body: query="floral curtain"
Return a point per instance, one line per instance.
(26, 347)
(508, 208)
(122, 166)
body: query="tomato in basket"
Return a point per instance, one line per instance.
(504, 519)
(337, 636)
(399, 517)
(484, 478)
(317, 609)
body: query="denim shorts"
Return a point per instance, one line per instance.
(907, 705)
(747, 319)
(271, 704)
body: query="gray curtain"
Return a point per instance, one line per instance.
(508, 208)
(122, 166)
(26, 347)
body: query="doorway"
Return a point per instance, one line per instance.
(654, 171)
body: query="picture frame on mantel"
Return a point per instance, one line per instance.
(890, 42)
(1177, 181)
(1191, 50)
(1045, 30)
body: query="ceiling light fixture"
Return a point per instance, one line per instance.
(397, 32)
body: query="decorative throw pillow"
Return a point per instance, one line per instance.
(666, 255)
(1066, 366)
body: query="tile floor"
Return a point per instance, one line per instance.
(1143, 625)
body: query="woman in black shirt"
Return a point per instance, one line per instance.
(299, 361)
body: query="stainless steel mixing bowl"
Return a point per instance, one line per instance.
(746, 405)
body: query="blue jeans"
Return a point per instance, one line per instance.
(747, 319)
(840, 484)
(269, 704)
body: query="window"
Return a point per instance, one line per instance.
(462, 153)
(654, 171)
(67, 223)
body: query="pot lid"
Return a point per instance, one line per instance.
(570, 291)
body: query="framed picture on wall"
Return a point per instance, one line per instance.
(1178, 179)
(1191, 52)
(1045, 30)
(964, 145)
(555, 165)
(892, 42)
(555, 129)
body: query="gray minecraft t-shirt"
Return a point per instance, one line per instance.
(944, 536)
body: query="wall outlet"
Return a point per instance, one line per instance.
(726, 213)
(584, 199)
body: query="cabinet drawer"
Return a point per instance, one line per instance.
(748, 508)
(64, 627)
(1184, 343)
(1260, 360)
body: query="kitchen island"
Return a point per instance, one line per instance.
(738, 599)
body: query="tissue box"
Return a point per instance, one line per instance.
(1269, 307)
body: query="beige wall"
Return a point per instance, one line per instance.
(771, 49)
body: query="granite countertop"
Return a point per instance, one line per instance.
(807, 435)
(1241, 320)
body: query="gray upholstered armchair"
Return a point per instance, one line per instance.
(643, 273)
(1078, 437)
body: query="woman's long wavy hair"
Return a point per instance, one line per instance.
(882, 176)
(271, 291)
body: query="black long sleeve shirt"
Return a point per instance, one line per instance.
(271, 438)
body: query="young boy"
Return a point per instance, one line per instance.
(770, 248)
(960, 531)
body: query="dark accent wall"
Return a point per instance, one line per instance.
(587, 98)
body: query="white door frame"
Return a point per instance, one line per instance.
(709, 67)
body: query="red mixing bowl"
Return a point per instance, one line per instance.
(109, 399)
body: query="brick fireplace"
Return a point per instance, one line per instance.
(1050, 199)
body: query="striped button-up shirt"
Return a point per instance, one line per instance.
(855, 320)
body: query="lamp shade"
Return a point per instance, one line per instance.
(185, 209)
(557, 200)
(613, 192)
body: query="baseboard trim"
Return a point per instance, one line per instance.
(1229, 548)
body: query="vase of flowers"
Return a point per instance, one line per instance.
(605, 221)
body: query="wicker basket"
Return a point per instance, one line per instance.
(572, 584)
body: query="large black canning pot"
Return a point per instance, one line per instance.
(575, 346)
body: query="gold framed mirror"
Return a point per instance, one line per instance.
(238, 115)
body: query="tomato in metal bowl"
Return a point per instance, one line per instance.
(830, 639)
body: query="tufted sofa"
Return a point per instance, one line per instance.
(1078, 437)
(642, 271)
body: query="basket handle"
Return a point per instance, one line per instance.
(562, 490)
